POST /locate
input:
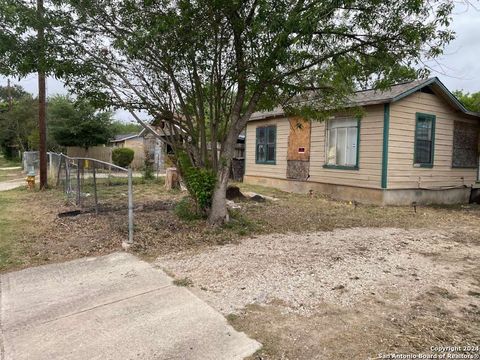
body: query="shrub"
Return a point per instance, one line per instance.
(148, 170)
(185, 210)
(122, 156)
(200, 182)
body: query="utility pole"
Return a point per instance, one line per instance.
(42, 124)
(9, 94)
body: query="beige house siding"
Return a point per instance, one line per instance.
(137, 145)
(370, 156)
(101, 153)
(279, 170)
(401, 172)
(370, 153)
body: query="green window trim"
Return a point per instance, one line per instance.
(386, 132)
(266, 143)
(357, 162)
(341, 167)
(431, 118)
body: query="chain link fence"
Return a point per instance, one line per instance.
(92, 185)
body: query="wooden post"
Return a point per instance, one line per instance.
(42, 123)
(171, 178)
(10, 98)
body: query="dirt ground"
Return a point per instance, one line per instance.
(346, 294)
(308, 277)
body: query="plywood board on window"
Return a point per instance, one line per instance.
(299, 139)
(298, 169)
(465, 144)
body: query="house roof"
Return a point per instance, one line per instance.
(395, 93)
(123, 137)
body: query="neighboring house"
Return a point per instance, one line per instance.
(414, 143)
(156, 150)
(143, 144)
(134, 142)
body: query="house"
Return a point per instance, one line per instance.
(140, 143)
(413, 143)
(156, 150)
(134, 142)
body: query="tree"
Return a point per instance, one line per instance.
(18, 119)
(119, 128)
(78, 123)
(470, 101)
(10, 94)
(202, 67)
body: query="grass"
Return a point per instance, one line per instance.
(31, 232)
(15, 226)
(186, 282)
(8, 163)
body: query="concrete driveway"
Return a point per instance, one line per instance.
(12, 184)
(110, 307)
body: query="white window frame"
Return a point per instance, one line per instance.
(342, 123)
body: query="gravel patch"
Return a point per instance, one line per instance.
(344, 266)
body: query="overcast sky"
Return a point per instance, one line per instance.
(458, 68)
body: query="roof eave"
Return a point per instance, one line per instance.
(432, 81)
(436, 81)
(125, 138)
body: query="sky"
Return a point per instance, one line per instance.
(458, 68)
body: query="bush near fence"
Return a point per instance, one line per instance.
(104, 153)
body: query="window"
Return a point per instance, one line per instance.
(265, 145)
(424, 140)
(342, 143)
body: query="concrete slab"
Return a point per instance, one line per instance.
(9, 168)
(110, 307)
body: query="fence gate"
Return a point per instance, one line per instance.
(94, 185)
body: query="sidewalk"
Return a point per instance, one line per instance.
(12, 184)
(110, 307)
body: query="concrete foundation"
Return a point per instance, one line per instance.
(367, 195)
(427, 197)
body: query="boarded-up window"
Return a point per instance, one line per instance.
(465, 145)
(298, 155)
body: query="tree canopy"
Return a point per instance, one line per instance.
(201, 68)
(70, 123)
(120, 127)
(78, 123)
(470, 100)
(18, 122)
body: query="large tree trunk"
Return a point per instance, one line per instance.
(218, 213)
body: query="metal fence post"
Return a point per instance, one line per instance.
(130, 207)
(67, 179)
(78, 184)
(59, 169)
(95, 187)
